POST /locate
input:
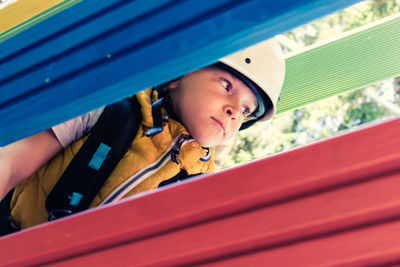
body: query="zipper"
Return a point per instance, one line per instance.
(137, 178)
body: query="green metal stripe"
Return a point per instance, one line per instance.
(38, 18)
(348, 63)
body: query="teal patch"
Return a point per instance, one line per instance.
(75, 199)
(99, 156)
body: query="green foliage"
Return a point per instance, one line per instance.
(360, 110)
(342, 21)
(325, 118)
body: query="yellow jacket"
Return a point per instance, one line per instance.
(28, 201)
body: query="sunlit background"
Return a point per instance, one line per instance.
(4, 3)
(329, 117)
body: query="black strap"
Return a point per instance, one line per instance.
(182, 175)
(92, 165)
(157, 118)
(5, 203)
(7, 224)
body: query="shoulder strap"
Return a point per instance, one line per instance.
(182, 175)
(108, 141)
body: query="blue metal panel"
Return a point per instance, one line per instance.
(97, 52)
(53, 59)
(83, 13)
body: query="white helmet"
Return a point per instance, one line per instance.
(262, 68)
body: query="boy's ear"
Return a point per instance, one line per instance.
(172, 85)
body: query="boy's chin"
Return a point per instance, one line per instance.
(205, 142)
(208, 141)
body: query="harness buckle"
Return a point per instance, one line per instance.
(58, 213)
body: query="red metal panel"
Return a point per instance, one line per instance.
(336, 202)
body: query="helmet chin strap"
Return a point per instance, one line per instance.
(247, 124)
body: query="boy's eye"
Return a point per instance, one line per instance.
(226, 84)
(246, 112)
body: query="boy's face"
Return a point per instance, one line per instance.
(212, 104)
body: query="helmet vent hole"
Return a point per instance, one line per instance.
(248, 60)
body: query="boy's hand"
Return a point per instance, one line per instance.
(21, 159)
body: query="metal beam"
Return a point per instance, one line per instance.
(22, 14)
(340, 208)
(353, 60)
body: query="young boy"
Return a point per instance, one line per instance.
(200, 110)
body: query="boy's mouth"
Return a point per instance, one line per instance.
(219, 123)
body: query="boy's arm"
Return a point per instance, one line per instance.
(21, 159)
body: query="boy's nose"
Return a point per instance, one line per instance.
(232, 112)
